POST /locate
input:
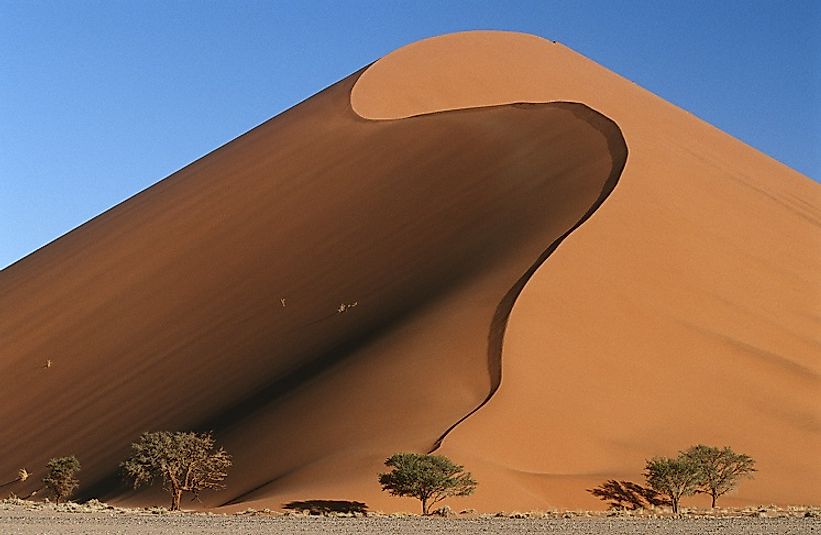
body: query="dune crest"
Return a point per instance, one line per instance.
(434, 75)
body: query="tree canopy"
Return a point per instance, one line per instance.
(719, 469)
(673, 478)
(428, 478)
(59, 477)
(184, 461)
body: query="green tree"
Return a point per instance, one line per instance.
(60, 478)
(720, 469)
(185, 462)
(428, 478)
(673, 478)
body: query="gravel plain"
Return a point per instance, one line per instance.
(24, 520)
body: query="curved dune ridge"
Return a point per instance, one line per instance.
(384, 239)
(685, 311)
(368, 272)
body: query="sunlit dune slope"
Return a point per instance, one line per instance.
(686, 310)
(449, 250)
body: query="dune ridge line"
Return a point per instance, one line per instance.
(498, 326)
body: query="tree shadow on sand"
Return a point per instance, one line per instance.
(323, 507)
(627, 495)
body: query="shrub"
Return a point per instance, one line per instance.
(22, 475)
(60, 478)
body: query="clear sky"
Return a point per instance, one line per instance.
(99, 100)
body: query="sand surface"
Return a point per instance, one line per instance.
(21, 522)
(483, 244)
(72, 525)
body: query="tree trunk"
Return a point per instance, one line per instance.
(176, 497)
(713, 495)
(424, 506)
(674, 500)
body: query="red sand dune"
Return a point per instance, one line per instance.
(433, 190)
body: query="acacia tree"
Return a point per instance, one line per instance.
(428, 478)
(720, 469)
(673, 478)
(60, 478)
(186, 462)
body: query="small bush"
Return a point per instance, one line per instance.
(60, 478)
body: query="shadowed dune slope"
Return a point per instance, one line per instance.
(685, 311)
(319, 292)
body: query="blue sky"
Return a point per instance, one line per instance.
(99, 100)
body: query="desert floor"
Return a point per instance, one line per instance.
(22, 520)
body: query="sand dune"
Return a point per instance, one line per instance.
(686, 310)
(413, 219)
